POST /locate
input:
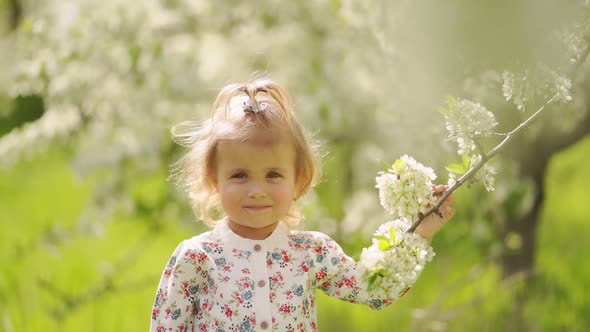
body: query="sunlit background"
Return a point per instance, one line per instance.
(89, 90)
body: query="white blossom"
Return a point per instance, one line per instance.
(484, 174)
(467, 120)
(574, 42)
(395, 259)
(560, 86)
(405, 190)
(514, 87)
(539, 81)
(53, 124)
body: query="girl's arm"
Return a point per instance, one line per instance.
(176, 299)
(341, 276)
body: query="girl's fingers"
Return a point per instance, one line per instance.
(439, 189)
(446, 208)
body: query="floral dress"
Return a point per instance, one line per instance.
(218, 281)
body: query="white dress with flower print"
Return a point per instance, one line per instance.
(218, 281)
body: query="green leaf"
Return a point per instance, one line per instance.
(391, 235)
(384, 164)
(443, 111)
(384, 245)
(451, 101)
(381, 237)
(466, 161)
(456, 168)
(376, 273)
(372, 280)
(398, 164)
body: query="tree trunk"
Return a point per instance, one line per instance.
(533, 161)
(16, 13)
(521, 260)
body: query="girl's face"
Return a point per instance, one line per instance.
(256, 183)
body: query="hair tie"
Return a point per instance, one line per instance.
(254, 107)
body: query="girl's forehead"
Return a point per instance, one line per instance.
(255, 146)
(266, 139)
(255, 156)
(261, 137)
(266, 145)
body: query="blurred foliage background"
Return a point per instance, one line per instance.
(89, 90)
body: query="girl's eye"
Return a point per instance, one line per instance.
(274, 175)
(239, 175)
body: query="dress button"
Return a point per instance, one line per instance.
(257, 247)
(261, 283)
(264, 325)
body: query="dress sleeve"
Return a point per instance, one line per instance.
(340, 276)
(176, 302)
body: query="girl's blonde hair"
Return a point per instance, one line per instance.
(239, 110)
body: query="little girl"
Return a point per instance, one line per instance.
(246, 166)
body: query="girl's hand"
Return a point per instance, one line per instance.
(433, 223)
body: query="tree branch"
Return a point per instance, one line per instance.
(580, 131)
(472, 171)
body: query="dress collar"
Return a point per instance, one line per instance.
(278, 238)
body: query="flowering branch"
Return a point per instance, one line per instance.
(397, 254)
(561, 95)
(471, 172)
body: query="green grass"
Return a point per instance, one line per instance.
(45, 259)
(563, 244)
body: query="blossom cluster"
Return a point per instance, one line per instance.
(405, 189)
(539, 81)
(561, 86)
(484, 174)
(466, 120)
(514, 88)
(574, 41)
(395, 259)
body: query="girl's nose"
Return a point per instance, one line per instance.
(256, 191)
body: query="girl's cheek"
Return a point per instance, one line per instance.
(285, 193)
(232, 190)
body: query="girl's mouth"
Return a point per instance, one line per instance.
(256, 207)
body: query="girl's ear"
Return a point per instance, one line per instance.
(212, 179)
(297, 194)
(215, 185)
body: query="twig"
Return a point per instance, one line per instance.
(471, 172)
(486, 157)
